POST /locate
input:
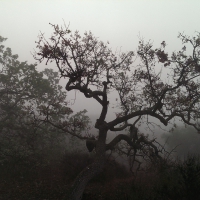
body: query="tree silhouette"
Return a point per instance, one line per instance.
(91, 67)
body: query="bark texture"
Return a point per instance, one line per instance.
(91, 170)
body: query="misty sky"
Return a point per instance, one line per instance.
(120, 22)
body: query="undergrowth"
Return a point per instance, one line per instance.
(179, 180)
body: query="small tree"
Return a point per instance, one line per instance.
(92, 68)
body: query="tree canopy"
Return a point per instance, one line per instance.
(92, 67)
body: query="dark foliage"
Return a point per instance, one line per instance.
(180, 181)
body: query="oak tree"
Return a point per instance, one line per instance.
(90, 66)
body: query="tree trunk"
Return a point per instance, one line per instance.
(91, 170)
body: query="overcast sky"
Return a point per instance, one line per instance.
(118, 21)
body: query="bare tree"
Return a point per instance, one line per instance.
(90, 67)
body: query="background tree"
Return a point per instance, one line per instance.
(92, 68)
(29, 102)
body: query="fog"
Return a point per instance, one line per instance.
(121, 23)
